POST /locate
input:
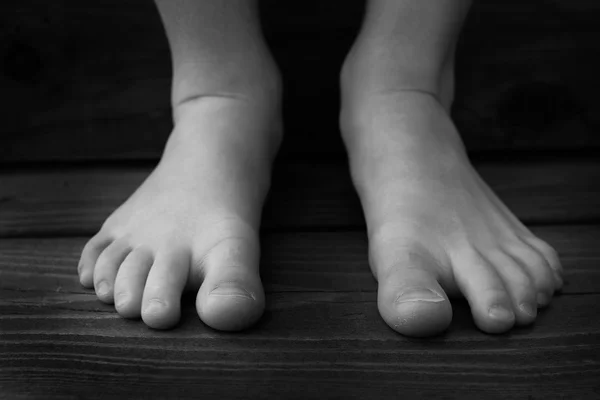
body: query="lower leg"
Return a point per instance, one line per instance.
(217, 48)
(218, 51)
(193, 224)
(435, 228)
(406, 45)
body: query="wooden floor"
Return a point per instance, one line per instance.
(86, 115)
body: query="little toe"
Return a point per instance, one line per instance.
(410, 299)
(89, 255)
(107, 267)
(545, 280)
(518, 284)
(483, 288)
(161, 301)
(547, 251)
(231, 297)
(130, 282)
(551, 256)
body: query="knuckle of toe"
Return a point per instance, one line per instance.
(525, 280)
(526, 252)
(108, 223)
(544, 246)
(497, 295)
(546, 249)
(552, 255)
(544, 282)
(88, 247)
(92, 245)
(102, 262)
(529, 256)
(539, 262)
(473, 255)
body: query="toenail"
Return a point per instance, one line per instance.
(231, 289)
(419, 294)
(121, 300)
(501, 312)
(543, 298)
(103, 288)
(155, 306)
(528, 309)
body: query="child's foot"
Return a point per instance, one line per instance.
(193, 223)
(435, 228)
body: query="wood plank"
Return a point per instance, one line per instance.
(67, 201)
(307, 344)
(344, 316)
(526, 76)
(291, 262)
(57, 337)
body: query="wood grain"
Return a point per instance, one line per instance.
(313, 340)
(77, 88)
(62, 349)
(66, 201)
(71, 356)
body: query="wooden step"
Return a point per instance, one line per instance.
(305, 342)
(67, 201)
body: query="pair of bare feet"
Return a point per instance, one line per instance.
(435, 228)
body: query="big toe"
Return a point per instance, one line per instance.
(231, 297)
(410, 299)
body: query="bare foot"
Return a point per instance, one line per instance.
(435, 228)
(193, 224)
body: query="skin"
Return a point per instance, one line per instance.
(435, 229)
(193, 224)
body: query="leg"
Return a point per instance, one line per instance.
(435, 228)
(193, 224)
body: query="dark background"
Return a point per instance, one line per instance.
(90, 79)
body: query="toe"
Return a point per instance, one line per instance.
(106, 269)
(231, 297)
(130, 282)
(545, 280)
(483, 288)
(550, 255)
(518, 284)
(161, 301)
(89, 255)
(410, 299)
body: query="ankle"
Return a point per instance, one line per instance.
(252, 122)
(364, 75)
(255, 85)
(258, 79)
(363, 88)
(403, 124)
